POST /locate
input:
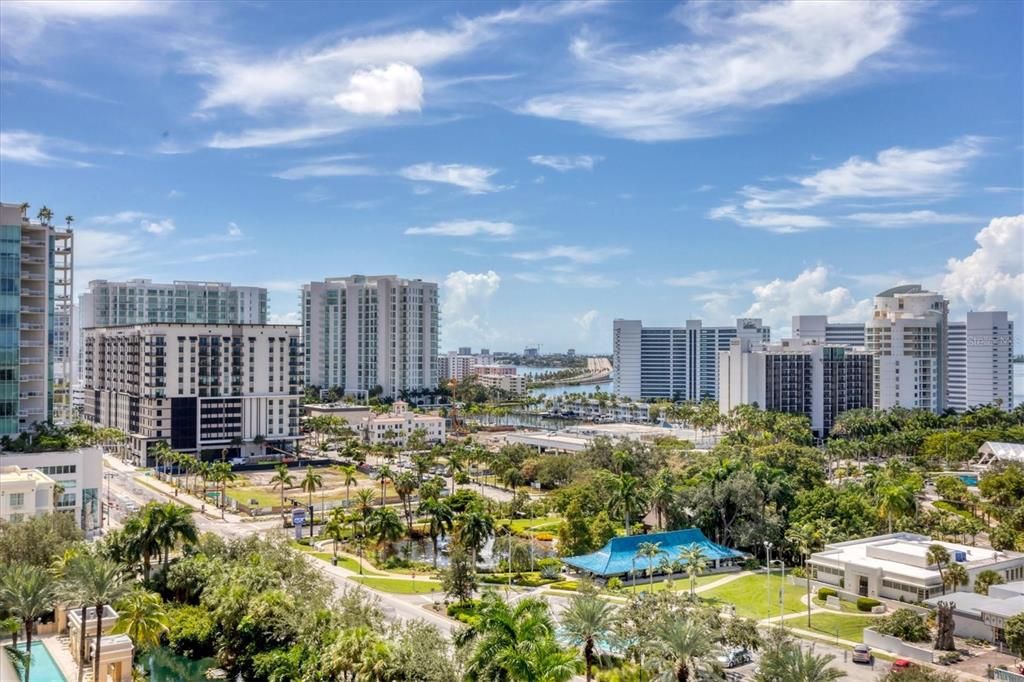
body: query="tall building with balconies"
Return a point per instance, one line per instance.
(980, 368)
(35, 319)
(201, 388)
(907, 334)
(367, 333)
(141, 301)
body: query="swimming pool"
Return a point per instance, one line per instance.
(970, 480)
(44, 668)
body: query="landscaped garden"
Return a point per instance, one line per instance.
(754, 596)
(400, 585)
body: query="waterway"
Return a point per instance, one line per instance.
(1018, 383)
(163, 665)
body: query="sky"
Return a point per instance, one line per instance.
(553, 166)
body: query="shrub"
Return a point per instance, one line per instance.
(950, 657)
(751, 565)
(549, 572)
(867, 603)
(825, 592)
(464, 612)
(906, 624)
(192, 632)
(543, 536)
(614, 584)
(572, 585)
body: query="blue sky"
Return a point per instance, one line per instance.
(552, 166)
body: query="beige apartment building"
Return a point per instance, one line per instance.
(24, 493)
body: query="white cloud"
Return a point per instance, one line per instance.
(383, 91)
(119, 218)
(992, 277)
(465, 228)
(473, 179)
(291, 317)
(568, 278)
(585, 322)
(272, 137)
(175, 194)
(703, 279)
(780, 223)
(234, 233)
(566, 163)
(324, 170)
(742, 57)
(808, 293)
(158, 227)
(101, 254)
(464, 307)
(575, 254)
(32, 149)
(911, 218)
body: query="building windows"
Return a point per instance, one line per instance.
(17, 500)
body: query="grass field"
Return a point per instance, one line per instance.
(400, 586)
(537, 524)
(753, 598)
(678, 584)
(343, 561)
(850, 627)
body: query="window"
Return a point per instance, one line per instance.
(17, 499)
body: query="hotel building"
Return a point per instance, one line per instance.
(79, 473)
(980, 367)
(674, 363)
(200, 388)
(364, 333)
(817, 328)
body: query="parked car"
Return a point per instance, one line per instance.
(238, 461)
(862, 654)
(902, 664)
(735, 657)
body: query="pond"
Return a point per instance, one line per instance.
(163, 665)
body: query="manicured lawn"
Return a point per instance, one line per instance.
(401, 586)
(850, 627)
(678, 584)
(343, 561)
(753, 598)
(536, 524)
(844, 606)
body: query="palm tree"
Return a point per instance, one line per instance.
(440, 520)
(335, 530)
(405, 485)
(384, 526)
(894, 499)
(45, 215)
(939, 556)
(282, 478)
(627, 498)
(586, 621)
(696, 564)
(71, 569)
(175, 525)
(956, 575)
(26, 592)
(141, 616)
(311, 482)
(793, 664)
(683, 645)
(221, 473)
(142, 534)
(68, 219)
(649, 551)
(663, 494)
(364, 504)
(385, 474)
(348, 473)
(475, 527)
(103, 583)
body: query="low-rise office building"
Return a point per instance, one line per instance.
(24, 493)
(79, 473)
(396, 426)
(509, 383)
(896, 566)
(984, 616)
(201, 388)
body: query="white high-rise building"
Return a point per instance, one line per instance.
(201, 388)
(35, 320)
(980, 368)
(674, 363)
(908, 336)
(141, 301)
(364, 333)
(797, 376)
(817, 328)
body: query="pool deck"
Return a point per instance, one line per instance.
(57, 645)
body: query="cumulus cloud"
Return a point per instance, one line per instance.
(575, 254)
(466, 297)
(465, 228)
(741, 57)
(473, 179)
(992, 277)
(566, 163)
(808, 293)
(158, 227)
(585, 322)
(383, 91)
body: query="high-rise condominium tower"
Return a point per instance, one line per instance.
(980, 361)
(364, 333)
(907, 334)
(35, 319)
(138, 301)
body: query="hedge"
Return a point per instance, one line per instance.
(571, 585)
(825, 592)
(867, 603)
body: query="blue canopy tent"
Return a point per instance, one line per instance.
(619, 556)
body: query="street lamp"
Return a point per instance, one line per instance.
(768, 567)
(782, 588)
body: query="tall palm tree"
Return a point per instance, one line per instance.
(311, 482)
(141, 616)
(175, 525)
(103, 583)
(335, 530)
(142, 533)
(956, 575)
(348, 476)
(586, 621)
(628, 498)
(894, 499)
(68, 219)
(939, 556)
(475, 527)
(696, 564)
(405, 485)
(71, 569)
(364, 504)
(385, 474)
(663, 494)
(27, 592)
(45, 215)
(283, 479)
(440, 520)
(384, 526)
(683, 645)
(649, 551)
(221, 473)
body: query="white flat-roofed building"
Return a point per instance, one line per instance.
(674, 363)
(364, 332)
(896, 566)
(396, 426)
(980, 367)
(984, 616)
(79, 472)
(200, 388)
(24, 493)
(138, 301)
(510, 383)
(818, 328)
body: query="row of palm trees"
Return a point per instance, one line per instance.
(691, 560)
(189, 471)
